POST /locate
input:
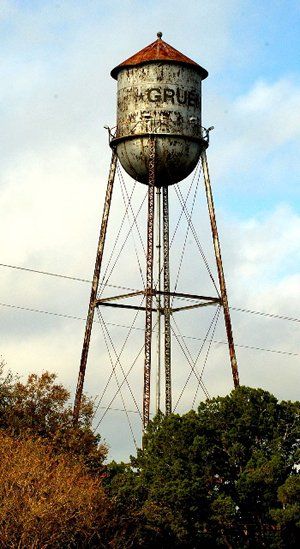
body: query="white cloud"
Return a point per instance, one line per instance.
(6, 9)
(272, 112)
(267, 248)
(255, 126)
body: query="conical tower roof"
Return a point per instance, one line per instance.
(158, 51)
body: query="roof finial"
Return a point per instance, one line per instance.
(159, 35)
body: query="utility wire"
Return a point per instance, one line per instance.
(186, 235)
(187, 354)
(118, 358)
(106, 276)
(197, 357)
(124, 188)
(123, 381)
(56, 275)
(109, 338)
(185, 201)
(117, 392)
(207, 352)
(117, 381)
(72, 317)
(116, 240)
(78, 279)
(262, 313)
(194, 233)
(124, 191)
(119, 410)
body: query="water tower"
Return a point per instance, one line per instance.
(158, 140)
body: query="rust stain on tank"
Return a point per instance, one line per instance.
(159, 93)
(158, 50)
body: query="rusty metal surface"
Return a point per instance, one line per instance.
(115, 297)
(109, 301)
(158, 50)
(162, 100)
(121, 306)
(95, 283)
(149, 286)
(196, 306)
(189, 296)
(217, 248)
(158, 301)
(167, 313)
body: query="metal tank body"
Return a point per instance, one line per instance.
(159, 94)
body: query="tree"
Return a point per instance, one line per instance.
(211, 478)
(287, 517)
(46, 500)
(6, 386)
(40, 407)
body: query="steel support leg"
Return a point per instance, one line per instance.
(217, 248)
(166, 261)
(95, 284)
(149, 285)
(158, 296)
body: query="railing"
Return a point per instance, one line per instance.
(154, 127)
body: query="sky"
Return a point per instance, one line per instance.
(56, 97)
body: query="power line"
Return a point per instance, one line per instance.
(56, 275)
(72, 317)
(261, 313)
(105, 333)
(31, 310)
(78, 279)
(118, 410)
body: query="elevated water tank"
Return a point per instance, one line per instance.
(159, 93)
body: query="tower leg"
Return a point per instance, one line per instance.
(95, 284)
(217, 248)
(149, 285)
(166, 246)
(158, 297)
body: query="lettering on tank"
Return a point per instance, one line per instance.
(170, 96)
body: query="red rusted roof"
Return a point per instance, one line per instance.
(158, 51)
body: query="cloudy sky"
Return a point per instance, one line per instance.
(56, 96)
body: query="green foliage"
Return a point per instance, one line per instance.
(40, 407)
(287, 517)
(216, 477)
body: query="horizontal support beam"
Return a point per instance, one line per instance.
(119, 306)
(155, 292)
(197, 305)
(122, 296)
(161, 310)
(188, 296)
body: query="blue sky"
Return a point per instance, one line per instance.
(56, 96)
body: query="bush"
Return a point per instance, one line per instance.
(46, 500)
(40, 407)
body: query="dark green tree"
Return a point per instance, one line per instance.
(217, 477)
(287, 517)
